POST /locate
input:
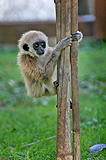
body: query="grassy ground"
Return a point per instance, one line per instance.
(25, 121)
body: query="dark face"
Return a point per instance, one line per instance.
(39, 47)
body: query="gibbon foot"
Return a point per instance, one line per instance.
(70, 104)
(56, 83)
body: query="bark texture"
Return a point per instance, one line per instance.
(74, 82)
(63, 21)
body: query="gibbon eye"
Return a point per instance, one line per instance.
(43, 44)
(36, 45)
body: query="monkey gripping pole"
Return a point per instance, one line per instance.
(74, 81)
(63, 144)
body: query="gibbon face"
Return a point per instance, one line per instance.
(34, 43)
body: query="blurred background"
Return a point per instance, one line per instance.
(25, 120)
(18, 16)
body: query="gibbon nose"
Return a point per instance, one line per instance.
(40, 51)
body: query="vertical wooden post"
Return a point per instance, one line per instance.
(63, 145)
(100, 22)
(74, 81)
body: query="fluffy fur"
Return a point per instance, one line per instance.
(37, 70)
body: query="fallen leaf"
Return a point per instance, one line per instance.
(96, 148)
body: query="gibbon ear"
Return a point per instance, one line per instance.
(25, 47)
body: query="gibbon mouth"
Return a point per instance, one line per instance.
(40, 53)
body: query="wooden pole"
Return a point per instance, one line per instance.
(74, 81)
(63, 145)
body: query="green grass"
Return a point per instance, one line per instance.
(24, 121)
